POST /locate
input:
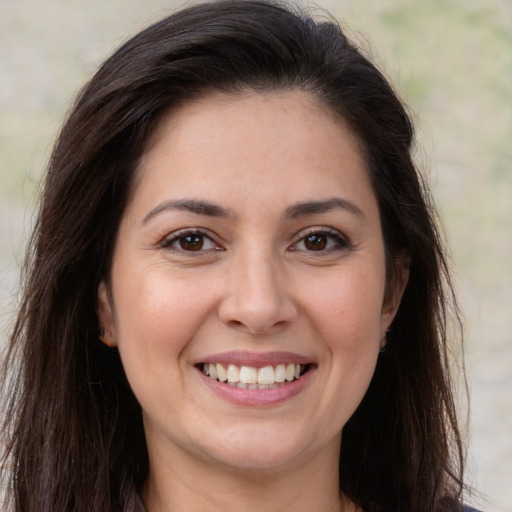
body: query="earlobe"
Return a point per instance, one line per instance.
(107, 332)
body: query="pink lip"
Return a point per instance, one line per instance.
(258, 397)
(242, 358)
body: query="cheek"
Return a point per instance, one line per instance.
(345, 311)
(158, 308)
(346, 306)
(156, 318)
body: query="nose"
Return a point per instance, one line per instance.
(257, 297)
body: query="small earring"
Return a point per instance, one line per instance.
(101, 335)
(107, 338)
(384, 345)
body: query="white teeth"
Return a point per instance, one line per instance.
(266, 375)
(233, 373)
(280, 373)
(241, 385)
(249, 377)
(290, 372)
(212, 370)
(222, 374)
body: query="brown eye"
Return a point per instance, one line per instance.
(188, 241)
(315, 242)
(323, 241)
(191, 242)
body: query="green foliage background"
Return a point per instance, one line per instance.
(451, 60)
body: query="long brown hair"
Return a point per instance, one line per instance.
(75, 440)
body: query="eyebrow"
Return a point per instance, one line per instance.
(312, 207)
(189, 205)
(294, 211)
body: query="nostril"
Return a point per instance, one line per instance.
(236, 324)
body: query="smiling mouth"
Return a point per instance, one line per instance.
(250, 377)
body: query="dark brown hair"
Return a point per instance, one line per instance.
(75, 440)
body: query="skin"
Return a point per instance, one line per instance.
(257, 285)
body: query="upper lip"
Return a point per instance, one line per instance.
(254, 359)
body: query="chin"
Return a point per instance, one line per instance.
(258, 460)
(258, 449)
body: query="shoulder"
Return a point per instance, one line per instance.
(470, 509)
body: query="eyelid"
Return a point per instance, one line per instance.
(333, 233)
(171, 238)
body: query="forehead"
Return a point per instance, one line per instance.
(246, 101)
(256, 142)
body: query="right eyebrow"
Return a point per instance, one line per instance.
(313, 207)
(196, 206)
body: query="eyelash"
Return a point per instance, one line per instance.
(331, 236)
(174, 238)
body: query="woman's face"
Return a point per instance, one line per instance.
(251, 250)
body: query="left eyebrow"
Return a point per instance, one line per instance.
(312, 207)
(190, 205)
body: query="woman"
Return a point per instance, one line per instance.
(236, 294)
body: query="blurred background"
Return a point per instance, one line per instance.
(451, 61)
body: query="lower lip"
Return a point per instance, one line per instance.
(258, 397)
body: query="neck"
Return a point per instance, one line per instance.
(180, 483)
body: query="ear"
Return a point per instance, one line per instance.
(394, 293)
(106, 316)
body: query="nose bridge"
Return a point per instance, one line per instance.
(257, 295)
